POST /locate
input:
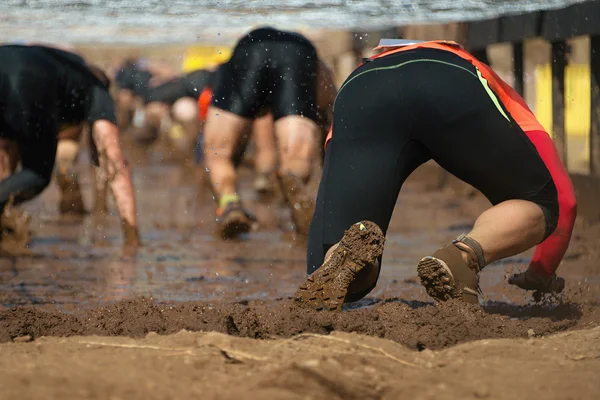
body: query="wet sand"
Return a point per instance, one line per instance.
(76, 281)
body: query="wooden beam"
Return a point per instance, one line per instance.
(481, 55)
(559, 62)
(518, 67)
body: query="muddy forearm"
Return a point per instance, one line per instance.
(115, 171)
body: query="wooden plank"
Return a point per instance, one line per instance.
(518, 66)
(559, 62)
(595, 106)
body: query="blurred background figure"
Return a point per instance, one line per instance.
(50, 94)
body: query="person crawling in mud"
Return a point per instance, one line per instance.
(277, 72)
(433, 100)
(172, 107)
(133, 79)
(47, 93)
(261, 131)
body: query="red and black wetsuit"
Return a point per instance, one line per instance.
(433, 100)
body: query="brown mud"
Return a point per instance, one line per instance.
(76, 280)
(417, 325)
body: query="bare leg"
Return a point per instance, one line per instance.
(9, 158)
(266, 150)
(504, 230)
(154, 114)
(185, 112)
(125, 107)
(266, 154)
(71, 201)
(508, 228)
(296, 142)
(222, 133)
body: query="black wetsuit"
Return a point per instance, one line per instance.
(396, 112)
(269, 69)
(188, 85)
(41, 91)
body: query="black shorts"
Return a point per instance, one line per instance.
(189, 85)
(269, 69)
(399, 111)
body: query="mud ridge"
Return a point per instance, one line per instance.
(417, 325)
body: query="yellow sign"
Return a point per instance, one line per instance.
(203, 57)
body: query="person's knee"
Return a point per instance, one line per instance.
(154, 113)
(296, 142)
(223, 134)
(9, 158)
(66, 152)
(185, 110)
(217, 148)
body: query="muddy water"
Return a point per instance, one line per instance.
(79, 264)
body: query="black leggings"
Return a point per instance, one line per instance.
(399, 111)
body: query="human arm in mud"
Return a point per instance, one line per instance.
(113, 170)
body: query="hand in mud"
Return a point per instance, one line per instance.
(529, 280)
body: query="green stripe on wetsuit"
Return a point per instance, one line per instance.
(481, 79)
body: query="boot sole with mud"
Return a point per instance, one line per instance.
(437, 279)
(326, 288)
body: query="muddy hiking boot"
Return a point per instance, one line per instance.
(529, 280)
(446, 275)
(71, 201)
(233, 220)
(301, 205)
(327, 287)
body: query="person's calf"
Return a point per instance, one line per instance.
(9, 158)
(71, 200)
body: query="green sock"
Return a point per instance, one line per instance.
(228, 198)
